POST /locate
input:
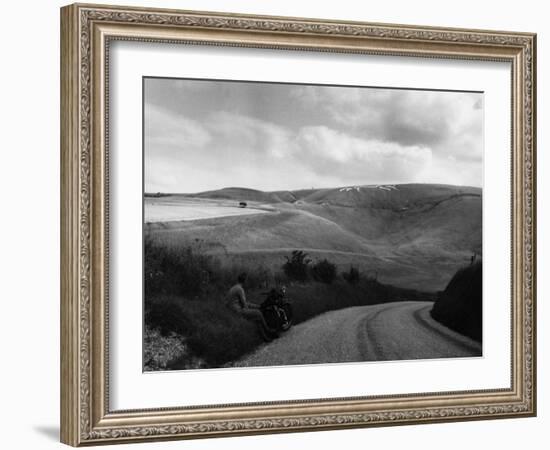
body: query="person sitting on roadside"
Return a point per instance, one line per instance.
(236, 300)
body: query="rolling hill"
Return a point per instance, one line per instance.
(411, 235)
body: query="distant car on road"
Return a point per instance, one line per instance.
(242, 205)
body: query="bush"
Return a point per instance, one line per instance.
(324, 271)
(296, 267)
(459, 306)
(352, 275)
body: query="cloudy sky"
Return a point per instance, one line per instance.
(202, 135)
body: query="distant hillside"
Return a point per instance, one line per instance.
(411, 235)
(402, 216)
(395, 197)
(239, 194)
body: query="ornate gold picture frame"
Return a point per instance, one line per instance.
(87, 32)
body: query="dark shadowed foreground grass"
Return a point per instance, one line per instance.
(213, 332)
(184, 296)
(460, 304)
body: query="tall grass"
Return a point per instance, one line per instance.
(192, 273)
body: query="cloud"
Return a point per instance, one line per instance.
(203, 135)
(225, 150)
(331, 151)
(448, 122)
(231, 150)
(168, 130)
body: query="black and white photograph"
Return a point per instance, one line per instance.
(295, 224)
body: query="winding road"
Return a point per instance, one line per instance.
(390, 331)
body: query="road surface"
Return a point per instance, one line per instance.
(391, 331)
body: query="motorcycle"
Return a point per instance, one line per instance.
(277, 309)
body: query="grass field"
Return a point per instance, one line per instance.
(169, 209)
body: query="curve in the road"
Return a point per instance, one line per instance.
(386, 332)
